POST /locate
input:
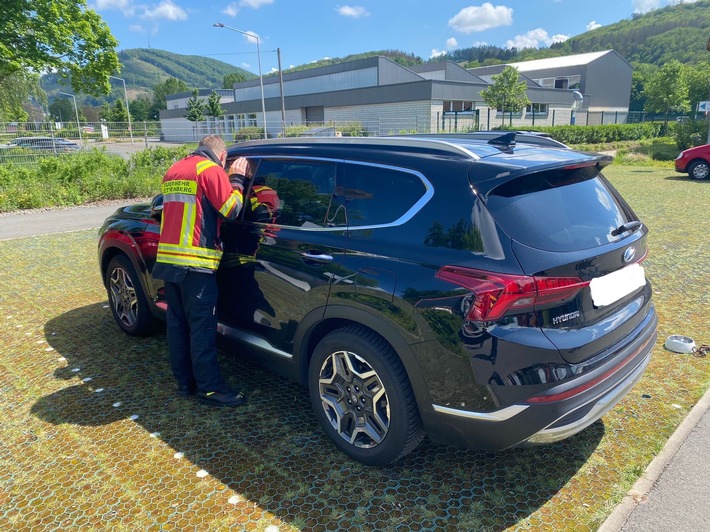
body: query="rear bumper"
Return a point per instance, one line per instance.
(564, 411)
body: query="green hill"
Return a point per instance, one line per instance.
(143, 69)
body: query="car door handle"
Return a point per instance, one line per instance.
(318, 258)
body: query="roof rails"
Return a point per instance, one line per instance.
(527, 137)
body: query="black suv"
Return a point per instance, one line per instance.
(486, 290)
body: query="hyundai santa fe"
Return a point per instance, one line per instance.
(485, 290)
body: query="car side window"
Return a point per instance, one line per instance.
(377, 195)
(305, 190)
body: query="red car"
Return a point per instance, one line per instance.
(695, 162)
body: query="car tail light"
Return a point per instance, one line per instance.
(496, 294)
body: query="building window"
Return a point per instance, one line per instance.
(457, 106)
(561, 83)
(246, 120)
(536, 109)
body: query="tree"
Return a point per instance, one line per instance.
(214, 105)
(140, 109)
(698, 79)
(642, 74)
(105, 113)
(62, 110)
(119, 112)
(230, 79)
(507, 94)
(195, 107)
(15, 89)
(58, 35)
(161, 91)
(667, 91)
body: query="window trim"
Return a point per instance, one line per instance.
(408, 215)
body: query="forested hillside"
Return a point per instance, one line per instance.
(678, 32)
(143, 69)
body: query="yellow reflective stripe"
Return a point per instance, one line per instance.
(192, 250)
(187, 229)
(189, 256)
(204, 165)
(230, 204)
(180, 186)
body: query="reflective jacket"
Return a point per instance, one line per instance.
(197, 196)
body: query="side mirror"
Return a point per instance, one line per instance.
(156, 207)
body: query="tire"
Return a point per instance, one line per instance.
(699, 170)
(361, 395)
(127, 300)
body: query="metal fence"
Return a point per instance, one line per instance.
(28, 142)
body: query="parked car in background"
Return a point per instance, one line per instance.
(694, 161)
(44, 144)
(485, 290)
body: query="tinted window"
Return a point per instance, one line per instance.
(559, 210)
(376, 195)
(305, 190)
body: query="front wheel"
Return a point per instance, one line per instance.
(362, 396)
(699, 170)
(129, 305)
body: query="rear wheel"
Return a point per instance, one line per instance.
(362, 396)
(699, 170)
(129, 305)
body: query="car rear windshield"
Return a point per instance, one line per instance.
(558, 210)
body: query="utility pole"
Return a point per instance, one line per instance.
(281, 87)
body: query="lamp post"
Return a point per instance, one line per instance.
(258, 56)
(128, 110)
(76, 111)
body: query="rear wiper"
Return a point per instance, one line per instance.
(628, 226)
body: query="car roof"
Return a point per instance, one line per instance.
(511, 151)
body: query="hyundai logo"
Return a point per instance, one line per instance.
(629, 254)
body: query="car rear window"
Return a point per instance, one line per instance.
(558, 210)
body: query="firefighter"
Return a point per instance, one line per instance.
(197, 197)
(236, 276)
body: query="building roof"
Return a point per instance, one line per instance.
(560, 62)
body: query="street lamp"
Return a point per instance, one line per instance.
(77, 114)
(128, 110)
(258, 56)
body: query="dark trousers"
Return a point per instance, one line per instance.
(192, 331)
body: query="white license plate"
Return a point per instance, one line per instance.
(612, 287)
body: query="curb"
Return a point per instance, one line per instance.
(638, 494)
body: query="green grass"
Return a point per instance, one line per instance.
(79, 178)
(69, 458)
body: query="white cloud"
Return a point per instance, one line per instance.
(353, 11)
(535, 39)
(480, 18)
(593, 25)
(124, 6)
(644, 6)
(136, 28)
(452, 43)
(436, 53)
(165, 10)
(255, 4)
(231, 10)
(480, 43)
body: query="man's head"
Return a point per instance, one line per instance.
(217, 145)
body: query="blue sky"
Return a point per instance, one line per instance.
(309, 30)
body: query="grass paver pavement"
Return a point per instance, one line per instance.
(93, 438)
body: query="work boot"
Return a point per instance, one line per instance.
(229, 398)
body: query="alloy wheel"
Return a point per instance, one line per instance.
(354, 399)
(123, 297)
